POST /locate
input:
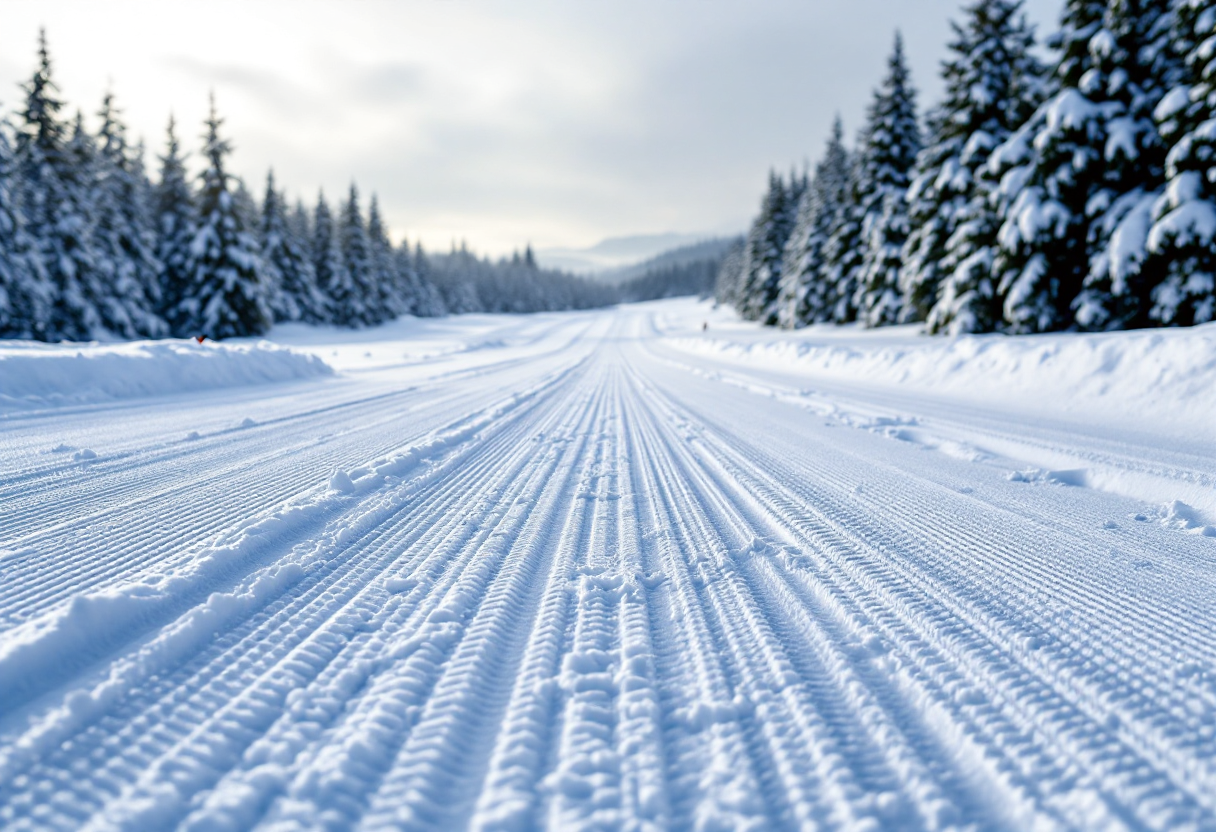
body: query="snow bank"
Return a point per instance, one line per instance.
(38, 375)
(1147, 376)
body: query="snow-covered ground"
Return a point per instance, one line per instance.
(606, 570)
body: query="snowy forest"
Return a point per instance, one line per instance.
(93, 247)
(1077, 193)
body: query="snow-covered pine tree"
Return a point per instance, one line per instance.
(456, 280)
(225, 296)
(1060, 172)
(332, 277)
(145, 199)
(406, 278)
(72, 259)
(124, 239)
(25, 292)
(892, 142)
(1135, 64)
(310, 297)
(730, 276)
(50, 170)
(430, 302)
(992, 85)
(245, 206)
(802, 296)
(176, 222)
(1181, 264)
(271, 234)
(844, 250)
(762, 253)
(284, 253)
(392, 292)
(361, 306)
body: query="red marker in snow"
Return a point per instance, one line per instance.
(200, 338)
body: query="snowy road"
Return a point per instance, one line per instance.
(578, 574)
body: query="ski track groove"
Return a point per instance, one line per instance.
(455, 494)
(241, 483)
(994, 649)
(616, 603)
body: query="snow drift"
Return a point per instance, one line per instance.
(1147, 375)
(38, 375)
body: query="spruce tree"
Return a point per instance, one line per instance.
(389, 284)
(762, 253)
(176, 222)
(310, 297)
(284, 253)
(730, 276)
(361, 305)
(1135, 65)
(843, 252)
(245, 206)
(992, 85)
(271, 234)
(51, 169)
(124, 239)
(25, 292)
(71, 257)
(333, 279)
(430, 300)
(1180, 266)
(802, 297)
(225, 295)
(892, 142)
(1072, 173)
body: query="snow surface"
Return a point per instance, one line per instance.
(605, 570)
(35, 375)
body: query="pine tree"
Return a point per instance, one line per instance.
(390, 285)
(332, 277)
(225, 296)
(310, 297)
(992, 82)
(843, 252)
(295, 296)
(1135, 64)
(51, 170)
(245, 206)
(729, 277)
(71, 257)
(1070, 175)
(271, 237)
(1180, 266)
(176, 223)
(124, 239)
(25, 291)
(892, 142)
(762, 253)
(802, 297)
(361, 304)
(430, 303)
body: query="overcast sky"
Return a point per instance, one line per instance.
(496, 121)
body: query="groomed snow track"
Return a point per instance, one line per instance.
(587, 581)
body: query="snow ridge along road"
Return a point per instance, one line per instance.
(568, 572)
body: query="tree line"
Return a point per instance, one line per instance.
(1075, 194)
(91, 247)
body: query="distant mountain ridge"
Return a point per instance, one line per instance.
(615, 253)
(713, 249)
